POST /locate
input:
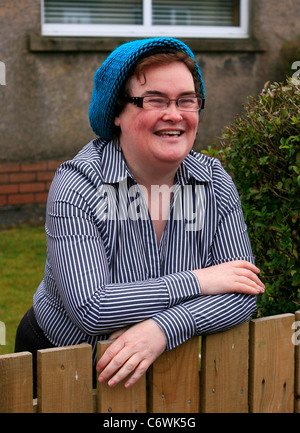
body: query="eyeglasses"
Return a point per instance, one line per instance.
(186, 103)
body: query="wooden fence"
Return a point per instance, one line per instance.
(254, 367)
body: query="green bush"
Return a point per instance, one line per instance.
(261, 151)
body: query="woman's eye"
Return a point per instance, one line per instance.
(187, 101)
(158, 101)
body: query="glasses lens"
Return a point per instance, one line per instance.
(157, 102)
(189, 103)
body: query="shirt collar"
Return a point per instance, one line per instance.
(194, 165)
(114, 168)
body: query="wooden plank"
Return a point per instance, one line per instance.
(272, 360)
(297, 361)
(119, 399)
(174, 380)
(16, 383)
(64, 379)
(224, 371)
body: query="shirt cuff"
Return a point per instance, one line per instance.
(181, 286)
(177, 324)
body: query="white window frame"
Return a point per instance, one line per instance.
(149, 30)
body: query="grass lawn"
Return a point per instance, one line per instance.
(22, 260)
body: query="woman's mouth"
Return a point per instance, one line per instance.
(169, 133)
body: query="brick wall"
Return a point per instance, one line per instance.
(26, 182)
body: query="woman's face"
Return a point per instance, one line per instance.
(158, 139)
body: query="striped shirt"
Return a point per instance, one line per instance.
(105, 269)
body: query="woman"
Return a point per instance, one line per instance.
(146, 241)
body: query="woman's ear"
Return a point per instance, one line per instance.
(117, 121)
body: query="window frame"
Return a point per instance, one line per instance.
(149, 30)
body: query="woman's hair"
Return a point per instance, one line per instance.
(165, 59)
(142, 65)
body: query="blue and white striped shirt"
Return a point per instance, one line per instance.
(105, 269)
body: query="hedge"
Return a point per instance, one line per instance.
(260, 149)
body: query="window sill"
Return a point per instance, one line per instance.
(38, 43)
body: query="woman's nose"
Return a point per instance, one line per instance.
(172, 112)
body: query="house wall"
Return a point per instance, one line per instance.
(44, 102)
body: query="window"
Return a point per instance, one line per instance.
(146, 18)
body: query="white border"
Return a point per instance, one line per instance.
(147, 30)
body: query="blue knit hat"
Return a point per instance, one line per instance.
(112, 74)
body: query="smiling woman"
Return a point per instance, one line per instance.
(163, 136)
(138, 274)
(159, 58)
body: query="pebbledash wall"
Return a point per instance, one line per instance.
(46, 85)
(25, 182)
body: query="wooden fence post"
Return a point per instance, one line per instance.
(64, 379)
(297, 362)
(224, 371)
(272, 360)
(16, 383)
(119, 399)
(174, 380)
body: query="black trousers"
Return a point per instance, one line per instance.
(31, 338)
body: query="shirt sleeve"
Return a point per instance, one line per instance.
(215, 313)
(76, 254)
(204, 315)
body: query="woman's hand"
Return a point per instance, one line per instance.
(236, 276)
(134, 350)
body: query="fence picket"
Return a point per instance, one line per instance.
(120, 399)
(297, 362)
(64, 377)
(16, 383)
(272, 360)
(174, 380)
(224, 371)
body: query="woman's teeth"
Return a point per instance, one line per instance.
(169, 133)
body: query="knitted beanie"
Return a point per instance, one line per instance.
(113, 72)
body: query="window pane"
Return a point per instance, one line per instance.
(93, 12)
(195, 13)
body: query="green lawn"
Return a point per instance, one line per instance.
(22, 260)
